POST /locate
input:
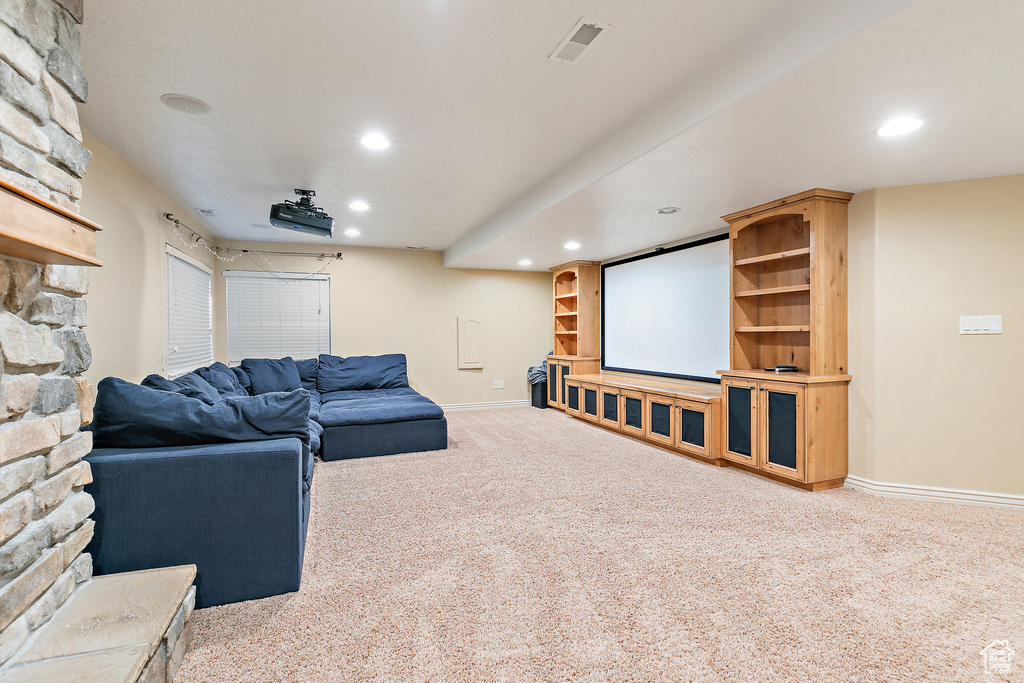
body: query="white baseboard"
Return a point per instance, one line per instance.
(936, 495)
(455, 407)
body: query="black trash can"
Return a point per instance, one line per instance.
(540, 395)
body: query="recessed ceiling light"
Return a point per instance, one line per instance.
(352, 232)
(189, 105)
(668, 209)
(375, 141)
(525, 262)
(359, 205)
(900, 126)
(572, 245)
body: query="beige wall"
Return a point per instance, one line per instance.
(404, 301)
(930, 406)
(128, 296)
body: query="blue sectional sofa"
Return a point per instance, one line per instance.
(214, 468)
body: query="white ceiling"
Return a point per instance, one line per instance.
(499, 154)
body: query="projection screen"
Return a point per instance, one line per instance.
(667, 313)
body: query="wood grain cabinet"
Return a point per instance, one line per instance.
(794, 428)
(576, 289)
(788, 308)
(676, 414)
(559, 369)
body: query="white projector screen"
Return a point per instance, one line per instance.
(668, 313)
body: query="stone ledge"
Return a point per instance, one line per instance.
(124, 664)
(114, 628)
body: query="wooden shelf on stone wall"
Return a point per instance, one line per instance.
(38, 230)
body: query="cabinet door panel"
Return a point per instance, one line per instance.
(782, 429)
(693, 427)
(589, 403)
(739, 415)
(609, 406)
(552, 384)
(572, 398)
(660, 419)
(563, 372)
(632, 409)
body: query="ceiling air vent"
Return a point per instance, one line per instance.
(206, 212)
(579, 40)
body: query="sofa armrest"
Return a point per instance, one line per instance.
(235, 510)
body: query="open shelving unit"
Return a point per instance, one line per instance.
(577, 328)
(577, 305)
(789, 284)
(788, 307)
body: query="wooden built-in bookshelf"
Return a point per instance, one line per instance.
(577, 298)
(788, 307)
(789, 284)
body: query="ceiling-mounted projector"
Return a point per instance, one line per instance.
(302, 215)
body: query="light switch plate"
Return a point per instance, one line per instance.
(981, 324)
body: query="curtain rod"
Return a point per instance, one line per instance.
(199, 237)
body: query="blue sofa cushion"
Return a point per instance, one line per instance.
(315, 432)
(272, 374)
(378, 410)
(307, 373)
(367, 393)
(242, 377)
(361, 372)
(191, 385)
(314, 405)
(221, 378)
(160, 382)
(128, 415)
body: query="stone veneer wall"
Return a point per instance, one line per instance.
(44, 400)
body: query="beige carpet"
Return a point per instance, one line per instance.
(540, 548)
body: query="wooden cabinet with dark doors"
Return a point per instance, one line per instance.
(559, 369)
(788, 308)
(790, 425)
(676, 414)
(576, 297)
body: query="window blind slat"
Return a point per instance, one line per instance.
(189, 326)
(270, 317)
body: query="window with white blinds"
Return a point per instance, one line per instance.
(189, 327)
(277, 315)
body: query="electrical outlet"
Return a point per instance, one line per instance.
(501, 384)
(495, 384)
